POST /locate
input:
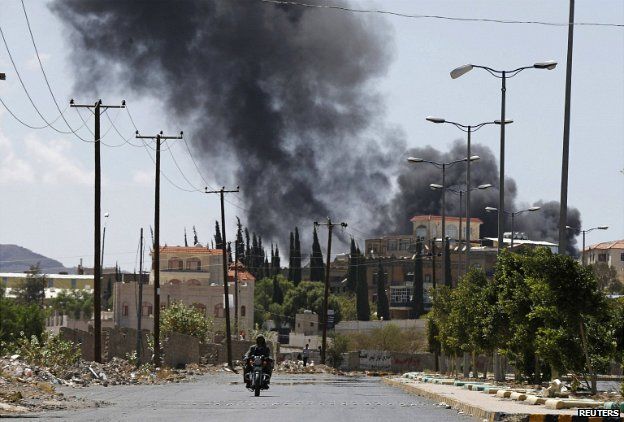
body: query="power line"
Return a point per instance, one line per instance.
(27, 124)
(439, 17)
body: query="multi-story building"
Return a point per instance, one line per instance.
(610, 253)
(53, 283)
(193, 276)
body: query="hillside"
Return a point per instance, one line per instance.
(16, 259)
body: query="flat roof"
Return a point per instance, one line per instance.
(61, 276)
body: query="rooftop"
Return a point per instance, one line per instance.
(439, 218)
(613, 244)
(524, 242)
(55, 276)
(194, 250)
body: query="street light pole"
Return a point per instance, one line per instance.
(503, 75)
(513, 216)
(468, 129)
(584, 232)
(443, 166)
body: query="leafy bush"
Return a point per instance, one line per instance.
(339, 345)
(183, 319)
(51, 351)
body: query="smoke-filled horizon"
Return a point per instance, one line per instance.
(282, 102)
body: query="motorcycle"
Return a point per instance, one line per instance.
(257, 377)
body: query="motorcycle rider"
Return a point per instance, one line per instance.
(259, 349)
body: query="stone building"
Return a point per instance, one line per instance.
(193, 276)
(610, 253)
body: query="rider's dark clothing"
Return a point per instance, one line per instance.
(256, 350)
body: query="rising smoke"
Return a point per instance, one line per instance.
(279, 100)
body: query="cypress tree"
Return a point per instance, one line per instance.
(239, 248)
(217, 237)
(352, 271)
(195, 240)
(254, 256)
(447, 264)
(185, 241)
(291, 257)
(297, 260)
(247, 259)
(383, 308)
(316, 259)
(361, 290)
(229, 252)
(275, 263)
(278, 294)
(418, 291)
(266, 269)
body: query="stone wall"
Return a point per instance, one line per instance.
(179, 350)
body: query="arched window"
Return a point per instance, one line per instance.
(174, 282)
(421, 231)
(124, 309)
(452, 232)
(193, 282)
(193, 264)
(219, 312)
(243, 311)
(200, 307)
(175, 264)
(146, 309)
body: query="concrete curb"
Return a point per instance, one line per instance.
(491, 416)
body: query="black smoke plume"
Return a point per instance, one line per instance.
(280, 100)
(415, 197)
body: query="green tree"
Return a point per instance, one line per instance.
(263, 298)
(183, 319)
(291, 257)
(218, 237)
(78, 304)
(297, 259)
(309, 296)
(239, 249)
(606, 277)
(16, 318)
(352, 271)
(317, 267)
(383, 308)
(31, 290)
(278, 295)
(276, 266)
(361, 294)
(348, 306)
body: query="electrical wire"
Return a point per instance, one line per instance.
(440, 17)
(27, 124)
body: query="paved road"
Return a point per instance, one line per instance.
(221, 397)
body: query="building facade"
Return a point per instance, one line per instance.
(193, 276)
(610, 253)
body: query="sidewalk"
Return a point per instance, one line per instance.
(482, 405)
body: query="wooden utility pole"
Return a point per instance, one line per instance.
(330, 229)
(236, 328)
(156, 257)
(97, 264)
(140, 303)
(226, 297)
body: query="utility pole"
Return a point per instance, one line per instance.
(236, 288)
(563, 202)
(97, 107)
(2, 76)
(228, 331)
(433, 264)
(330, 228)
(140, 302)
(156, 258)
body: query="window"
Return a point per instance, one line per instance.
(243, 311)
(602, 257)
(312, 324)
(174, 282)
(452, 232)
(421, 231)
(193, 282)
(622, 256)
(50, 283)
(147, 309)
(219, 312)
(392, 245)
(124, 309)
(5, 281)
(427, 278)
(175, 264)
(401, 295)
(193, 264)
(73, 283)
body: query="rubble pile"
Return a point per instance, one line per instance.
(296, 367)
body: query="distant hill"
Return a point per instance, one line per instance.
(15, 259)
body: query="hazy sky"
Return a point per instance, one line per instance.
(46, 178)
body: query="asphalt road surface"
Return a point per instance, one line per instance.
(221, 397)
